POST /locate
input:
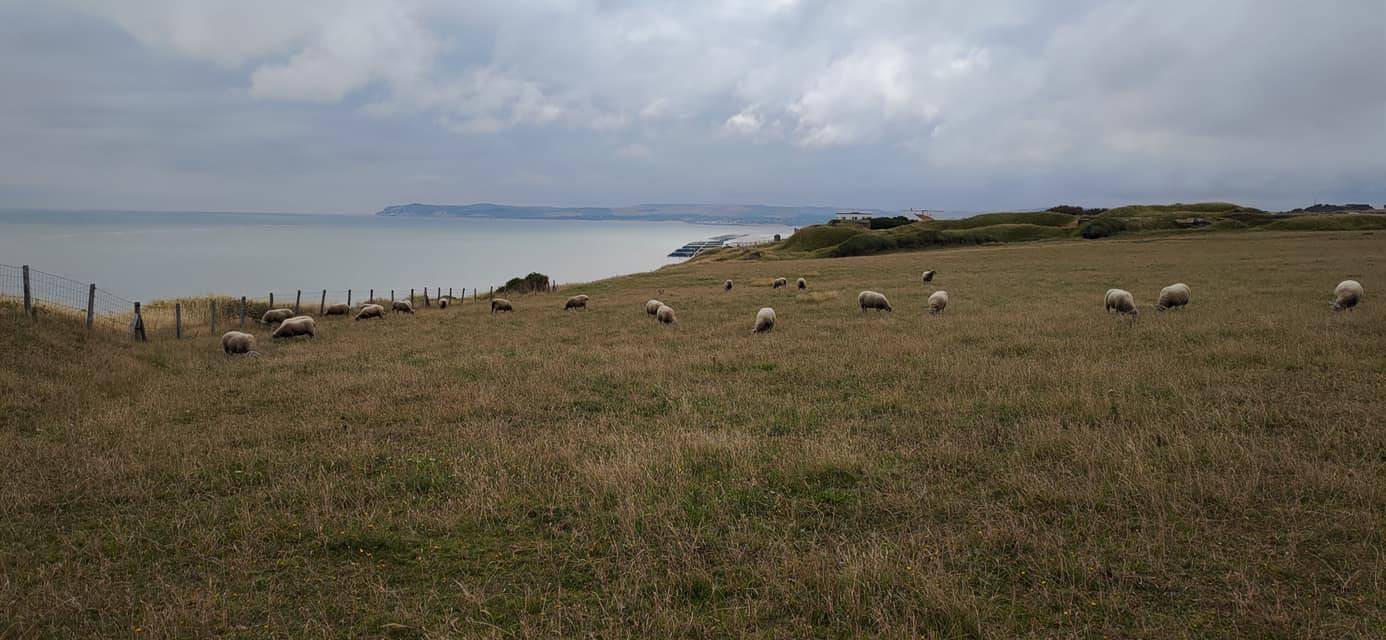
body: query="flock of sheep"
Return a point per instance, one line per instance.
(1346, 295)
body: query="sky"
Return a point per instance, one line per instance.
(349, 105)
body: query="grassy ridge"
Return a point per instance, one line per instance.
(1022, 465)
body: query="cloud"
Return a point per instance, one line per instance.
(969, 104)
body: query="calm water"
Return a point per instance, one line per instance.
(143, 256)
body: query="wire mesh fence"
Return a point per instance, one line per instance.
(44, 294)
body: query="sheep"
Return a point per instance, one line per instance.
(765, 320)
(402, 306)
(501, 304)
(872, 300)
(937, 301)
(1174, 296)
(276, 315)
(297, 326)
(665, 315)
(929, 276)
(443, 303)
(1347, 294)
(576, 302)
(339, 309)
(1122, 302)
(371, 311)
(779, 282)
(233, 342)
(726, 286)
(652, 306)
(802, 284)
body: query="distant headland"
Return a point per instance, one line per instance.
(696, 213)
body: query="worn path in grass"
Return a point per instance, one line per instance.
(1021, 465)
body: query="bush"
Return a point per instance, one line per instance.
(529, 284)
(889, 223)
(1102, 227)
(1066, 208)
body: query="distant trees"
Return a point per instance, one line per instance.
(888, 223)
(1074, 210)
(531, 283)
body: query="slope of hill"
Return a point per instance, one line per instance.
(1023, 465)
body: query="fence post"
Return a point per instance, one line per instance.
(372, 298)
(440, 291)
(242, 311)
(271, 299)
(491, 293)
(411, 297)
(177, 320)
(137, 325)
(425, 296)
(28, 298)
(322, 306)
(348, 297)
(474, 293)
(298, 300)
(91, 304)
(213, 312)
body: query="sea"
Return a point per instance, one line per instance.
(147, 255)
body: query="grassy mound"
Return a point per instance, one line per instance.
(1038, 218)
(1329, 222)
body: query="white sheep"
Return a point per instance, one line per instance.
(276, 315)
(937, 301)
(443, 303)
(339, 309)
(726, 286)
(872, 300)
(297, 326)
(765, 320)
(1174, 296)
(802, 284)
(665, 315)
(652, 306)
(1121, 301)
(1347, 294)
(501, 304)
(576, 302)
(371, 311)
(402, 306)
(779, 282)
(233, 342)
(929, 276)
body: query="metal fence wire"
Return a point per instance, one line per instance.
(50, 294)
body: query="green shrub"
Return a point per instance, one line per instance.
(1101, 227)
(533, 282)
(889, 223)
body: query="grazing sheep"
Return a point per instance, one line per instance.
(929, 276)
(1347, 294)
(779, 282)
(371, 311)
(872, 300)
(1174, 296)
(652, 307)
(665, 315)
(402, 306)
(726, 286)
(501, 304)
(765, 320)
(1121, 301)
(233, 342)
(576, 302)
(802, 284)
(937, 301)
(339, 309)
(297, 326)
(276, 315)
(443, 303)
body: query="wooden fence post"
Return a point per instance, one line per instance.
(411, 297)
(426, 296)
(91, 304)
(372, 298)
(348, 297)
(212, 311)
(440, 291)
(298, 300)
(322, 306)
(271, 299)
(28, 297)
(491, 293)
(177, 320)
(392, 295)
(137, 325)
(242, 311)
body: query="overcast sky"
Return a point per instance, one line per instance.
(348, 106)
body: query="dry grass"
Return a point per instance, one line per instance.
(1023, 465)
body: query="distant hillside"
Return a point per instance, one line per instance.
(846, 239)
(698, 213)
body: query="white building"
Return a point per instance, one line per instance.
(852, 216)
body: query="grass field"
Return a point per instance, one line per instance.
(1023, 465)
